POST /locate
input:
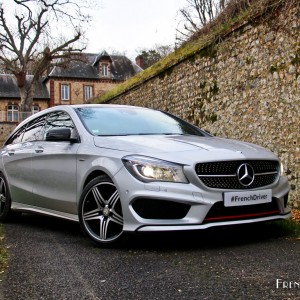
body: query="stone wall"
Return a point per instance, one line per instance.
(5, 130)
(246, 86)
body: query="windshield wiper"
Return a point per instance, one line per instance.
(108, 135)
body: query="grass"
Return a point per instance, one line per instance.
(3, 254)
(289, 228)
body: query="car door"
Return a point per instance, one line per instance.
(18, 160)
(54, 168)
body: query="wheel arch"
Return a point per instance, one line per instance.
(2, 173)
(93, 175)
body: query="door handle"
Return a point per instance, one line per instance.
(39, 149)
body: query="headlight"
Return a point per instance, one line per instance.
(149, 169)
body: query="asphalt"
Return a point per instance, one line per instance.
(51, 259)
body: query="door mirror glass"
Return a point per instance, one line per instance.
(59, 134)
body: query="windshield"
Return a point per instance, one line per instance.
(110, 121)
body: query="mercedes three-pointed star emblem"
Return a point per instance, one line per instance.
(245, 174)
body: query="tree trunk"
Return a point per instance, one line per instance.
(27, 89)
(26, 99)
(26, 93)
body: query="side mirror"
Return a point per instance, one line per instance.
(60, 135)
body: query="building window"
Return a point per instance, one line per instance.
(88, 92)
(12, 113)
(104, 70)
(65, 92)
(35, 109)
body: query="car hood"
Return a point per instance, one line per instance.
(205, 148)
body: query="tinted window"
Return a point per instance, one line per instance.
(132, 121)
(34, 129)
(59, 119)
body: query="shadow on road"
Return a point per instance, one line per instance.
(210, 238)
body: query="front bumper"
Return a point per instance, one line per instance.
(199, 201)
(149, 228)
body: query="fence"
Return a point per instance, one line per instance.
(15, 116)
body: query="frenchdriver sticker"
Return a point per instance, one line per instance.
(247, 197)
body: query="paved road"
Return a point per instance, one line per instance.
(50, 259)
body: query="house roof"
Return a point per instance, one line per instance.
(75, 69)
(122, 67)
(9, 88)
(86, 67)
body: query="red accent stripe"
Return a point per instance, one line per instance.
(243, 216)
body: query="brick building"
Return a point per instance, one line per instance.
(78, 82)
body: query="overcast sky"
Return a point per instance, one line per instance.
(128, 25)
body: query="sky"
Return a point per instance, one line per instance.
(129, 25)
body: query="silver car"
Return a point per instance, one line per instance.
(118, 169)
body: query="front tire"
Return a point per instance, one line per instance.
(100, 211)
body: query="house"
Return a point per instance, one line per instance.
(78, 82)
(10, 99)
(88, 77)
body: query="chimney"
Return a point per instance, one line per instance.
(139, 60)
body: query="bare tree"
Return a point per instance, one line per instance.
(38, 34)
(154, 54)
(197, 14)
(164, 50)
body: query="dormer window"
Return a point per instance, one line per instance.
(104, 70)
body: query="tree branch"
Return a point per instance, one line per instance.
(21, 46)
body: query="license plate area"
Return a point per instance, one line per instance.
(247, 198)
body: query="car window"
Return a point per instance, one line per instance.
(59, 119)
(33, 131)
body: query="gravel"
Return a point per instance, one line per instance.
(51, 259)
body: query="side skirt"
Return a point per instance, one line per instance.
(44, 211)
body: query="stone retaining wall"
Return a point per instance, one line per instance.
(5, 130)
(246, 87)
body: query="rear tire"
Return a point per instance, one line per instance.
(100, 211)
(5, 200)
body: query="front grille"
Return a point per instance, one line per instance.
(224, 174)
(219, 212)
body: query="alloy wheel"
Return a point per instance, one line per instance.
(101, 212)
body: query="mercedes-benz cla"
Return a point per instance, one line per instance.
(118, 169)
